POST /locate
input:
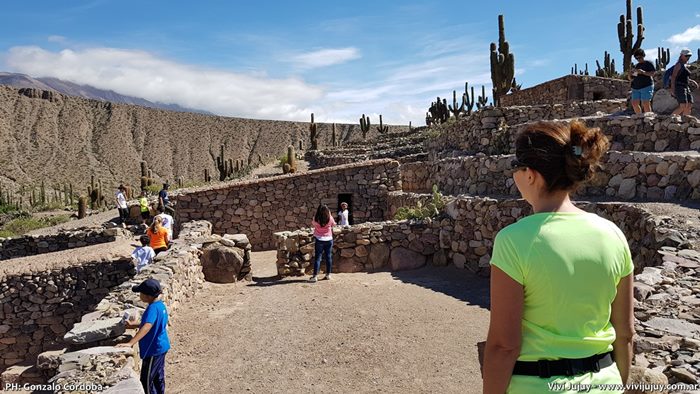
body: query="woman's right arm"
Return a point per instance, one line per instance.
(622, 319)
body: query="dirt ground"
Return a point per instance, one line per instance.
(412, 331)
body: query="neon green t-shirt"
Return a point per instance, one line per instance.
(143, 203)
(569, 264)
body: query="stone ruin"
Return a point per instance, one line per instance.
(649, 186)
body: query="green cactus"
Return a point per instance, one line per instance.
(482, 100)
(625, 34)
(608, 69)
(364, 126)
(313, 133)
(333, 141)
(224, 166)
(515, 87)
(454, 109)
(428, 119)
(663, 57)
(502, 64)
(381, 128)
(469, 100)
(82, 207)
(291, 158)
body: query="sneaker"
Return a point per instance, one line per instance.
(313, 279)
(327, 277)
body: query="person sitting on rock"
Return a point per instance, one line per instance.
(561, 278)
(680, 84)
(144, 254)
(323, 240)
(642, 82)
(158, 235)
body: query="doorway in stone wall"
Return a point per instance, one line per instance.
(345, 198)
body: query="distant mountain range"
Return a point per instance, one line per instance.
(85, 91)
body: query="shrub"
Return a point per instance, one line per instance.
(26, 223)
(431, 209)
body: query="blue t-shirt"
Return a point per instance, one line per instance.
(156, 341)
(164, 195)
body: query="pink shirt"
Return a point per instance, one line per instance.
(323, 233)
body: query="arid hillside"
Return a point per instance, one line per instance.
(55, 138)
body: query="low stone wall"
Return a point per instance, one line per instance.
(463, 236)
(569, 88)
(261, 208)
(40, 303)
(624, 176)
(491, 134)
(29, 245)
(113, 369)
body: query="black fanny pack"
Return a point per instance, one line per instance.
(564, 366)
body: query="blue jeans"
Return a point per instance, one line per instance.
(323, 249)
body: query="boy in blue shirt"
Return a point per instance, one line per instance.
(152, 337)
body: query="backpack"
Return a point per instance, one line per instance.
(667, 76)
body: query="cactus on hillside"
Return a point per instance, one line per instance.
(291, 159)
(381, 128)
(364, 126)
(502, 64)
(663, 57)
(313, 133)
(454, 109)
(223, 165)
(608, 69)
(439, 111)
(43, 193)
(469, 99)
(207, 178)
(82, 207)
(625, 34)
(483, 100)
(333, 141)
(428, 119)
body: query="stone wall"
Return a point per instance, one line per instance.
(569, 88)
(261, 208)
(40, 303)
(462, 236)
(623, 176)
(28, 245)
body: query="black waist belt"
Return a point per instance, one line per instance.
(564, 366)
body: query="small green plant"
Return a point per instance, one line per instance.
(26, 223)
(283, 160)
(431, 209)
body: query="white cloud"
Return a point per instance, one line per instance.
(326, 57)
(142, 74)
(689, 35)
(56, 38)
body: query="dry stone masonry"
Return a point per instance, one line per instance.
(261, 208)
(567, 89)
(29, 245)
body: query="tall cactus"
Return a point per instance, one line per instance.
(608, 69)
(482, 100)
(364, 126)
(291, 158)
(469, 100)
(333, 142)
(502, 64)
(663, 57)
(625, 34)
(43, 193)
(224, 166)
(82, 207)
(381, 128)
(313, 133)
(456, 111)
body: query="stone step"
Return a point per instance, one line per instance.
(21, 374)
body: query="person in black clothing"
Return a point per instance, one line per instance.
(680, 84)
(642, 83)
(164, 200)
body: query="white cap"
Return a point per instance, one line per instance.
(686, 52)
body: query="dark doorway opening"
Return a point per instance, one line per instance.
(346, 198)
(598, 96)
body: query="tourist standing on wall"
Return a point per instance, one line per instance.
(164, 199)
(680, 84)
(122, 206)
(561, 278)
(642, 83)
(343, 215)
(158, 235)
(323, 235)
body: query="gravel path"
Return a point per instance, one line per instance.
(412, 331)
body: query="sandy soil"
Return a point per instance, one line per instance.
(413, 331)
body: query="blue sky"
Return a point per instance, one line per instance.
(283, 60)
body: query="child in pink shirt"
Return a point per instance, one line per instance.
(323, 233)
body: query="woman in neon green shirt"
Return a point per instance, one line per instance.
(561, 279)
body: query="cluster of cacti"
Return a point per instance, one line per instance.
(438, 112)
(291, 163)
(97, 199)
(364, 126)
(608, 69)
(502, 64)
(224, 166)
(313, 133)
(663, 57)
(625, 34)
(381, 128)
(576, 71)
(483, 100)
(146, 176)
(467, 105)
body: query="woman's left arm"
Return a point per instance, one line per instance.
(505, 332)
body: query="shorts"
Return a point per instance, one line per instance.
(145, 214)
(684, 95)
(643, 94)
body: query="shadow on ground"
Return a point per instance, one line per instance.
(458, 283)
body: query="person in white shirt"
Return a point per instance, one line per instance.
(343, 215)
(167, 221)
(122, 206)
(144, 254)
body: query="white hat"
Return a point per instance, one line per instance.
(686, 52)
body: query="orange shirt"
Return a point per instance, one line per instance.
(158, 238)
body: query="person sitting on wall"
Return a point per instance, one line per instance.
(561, 278)
(641, 76)
(144, 254)
(680, 84)
(158, 235)
(323, 240)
